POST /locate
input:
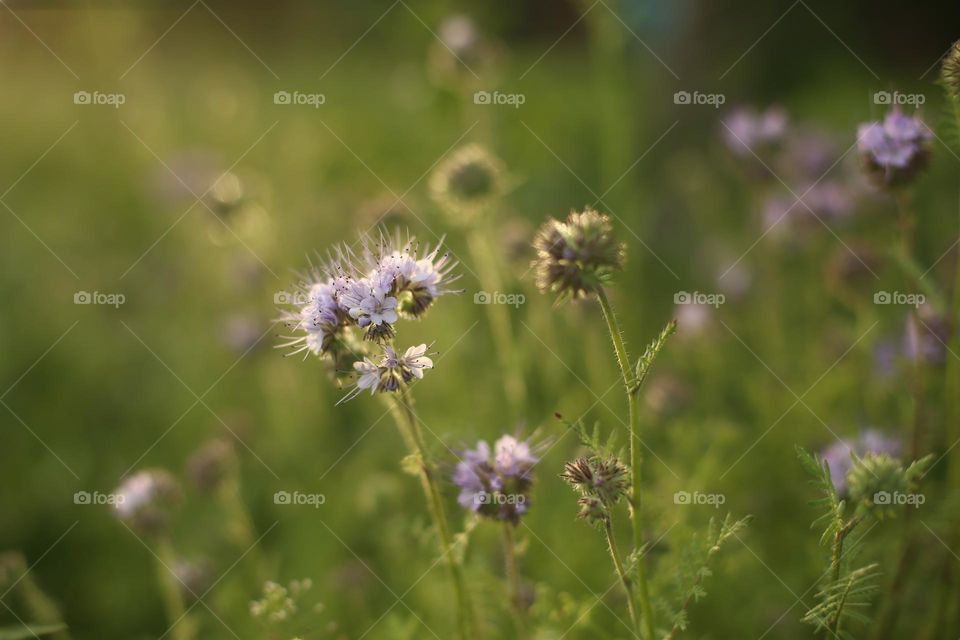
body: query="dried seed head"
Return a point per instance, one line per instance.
(575, 257)
(467, 181)
(950, 72)
(605, 479)
(592, 510)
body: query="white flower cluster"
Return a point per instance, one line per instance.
(365, 293)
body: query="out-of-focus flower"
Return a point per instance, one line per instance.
(748, 132)
(666, 394)
(210, 464)
(461, 53)
(467, 181)
(496, 486)
(193, 577)
(838, 455)
(280, 603)
(145, 499)
(894, 150)
(950, 72)
(577, 256)
(926, 336)
(241, 333)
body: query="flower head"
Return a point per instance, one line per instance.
(895, 150)
(144, 500)
(468, 180)
(390, 371)
(356, 297)
(575, 257)
(840, 455)
(496, 484)
(747, 131)
(602, 478)
(950, 71)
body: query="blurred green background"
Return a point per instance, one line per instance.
(104, 199)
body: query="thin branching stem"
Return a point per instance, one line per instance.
(170, 591)
(623, 359)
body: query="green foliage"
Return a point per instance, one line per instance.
(645, 363)
(22, 632)
(693, 567)
(593, 439)
(844, 599)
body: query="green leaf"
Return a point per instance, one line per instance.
(21, 632)
(650, 354)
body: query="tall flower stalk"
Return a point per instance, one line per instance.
(576, 258)
(346, 311)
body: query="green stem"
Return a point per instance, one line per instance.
(413, 435)
(170, 591)
(498, 315)
(513, 579)
(623, 359)
(622, 574)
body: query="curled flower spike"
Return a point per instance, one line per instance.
(950, 72)
(840, 455)
(895, 150)
(496, 486)
(577, 256)
(354, 295)
(390, 372)
(468, 180)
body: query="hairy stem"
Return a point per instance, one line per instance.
(413, 435)
(513, 579)
(621, 573)
(623, 359)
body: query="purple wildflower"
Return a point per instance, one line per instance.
(747, 131)
(894, 150)
(496, 484)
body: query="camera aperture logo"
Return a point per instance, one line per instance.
(499, 499)
(299, 499)
(897, 98)
(97, 498)
(697, 498)
(496, 97)
(96, 297)
(512, 299)
(299, 98)
(915, 300)
(98, 98)
(885, 498)
(698, 297)
(297, 298)
(714, 100)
